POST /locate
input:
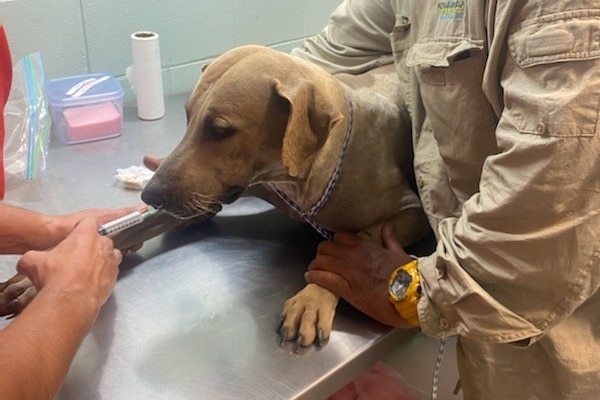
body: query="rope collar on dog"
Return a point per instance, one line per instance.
(312, 212)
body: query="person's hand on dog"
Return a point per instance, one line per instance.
(151, 162)
(358, 271)
(101, 216)
(42, 232)
(84, 265)
(17, 292)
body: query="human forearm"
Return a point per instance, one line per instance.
(39, 345)
(24, 230)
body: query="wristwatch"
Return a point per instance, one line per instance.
(404, 289)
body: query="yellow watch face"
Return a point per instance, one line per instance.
(400, 284)
(405, 291)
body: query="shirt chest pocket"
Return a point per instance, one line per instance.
(449, 75)
(552, 77)
(442, 63)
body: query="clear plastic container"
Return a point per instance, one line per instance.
(85, 108)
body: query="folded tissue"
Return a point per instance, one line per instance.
(134, 177)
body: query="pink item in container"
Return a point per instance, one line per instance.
(93, 122)
(85, 108)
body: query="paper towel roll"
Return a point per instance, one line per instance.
(147, 75)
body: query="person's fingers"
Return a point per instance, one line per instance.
(152, 163)
(389, 239)
(86, 226)
(133, 249)
(328, 248)
(118, 256)
(325, 262)
(141, 207)
(346, 239)
(27, 265)
(110, 215)
(339, 246)
(330, 281)
(102, 216)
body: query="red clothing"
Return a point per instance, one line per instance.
(5, 83)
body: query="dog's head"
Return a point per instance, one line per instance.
(255, 116)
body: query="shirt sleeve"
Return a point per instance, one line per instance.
(524, 253)
(355, 40)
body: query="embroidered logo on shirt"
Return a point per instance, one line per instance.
(451, 10)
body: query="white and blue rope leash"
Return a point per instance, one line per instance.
(436, 370)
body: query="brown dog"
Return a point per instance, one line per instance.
(332, 150)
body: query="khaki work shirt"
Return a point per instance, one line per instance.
(504, 97)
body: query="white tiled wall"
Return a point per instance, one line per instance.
(80, 36)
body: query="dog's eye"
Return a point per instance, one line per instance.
(217, 129)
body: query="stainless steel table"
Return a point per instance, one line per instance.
(195, 312)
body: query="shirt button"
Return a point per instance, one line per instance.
(444, 324)
(540, 128)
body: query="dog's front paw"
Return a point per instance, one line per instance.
(15, 295)
(308, 316)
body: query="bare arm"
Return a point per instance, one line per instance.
(22, 230)
(74, 280)
(38, 347)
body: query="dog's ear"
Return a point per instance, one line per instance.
(313, 115)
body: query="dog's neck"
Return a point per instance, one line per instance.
(307, 196)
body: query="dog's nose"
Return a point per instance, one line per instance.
(153, 196)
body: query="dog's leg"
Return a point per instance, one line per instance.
(16, 294)
(308, 316)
